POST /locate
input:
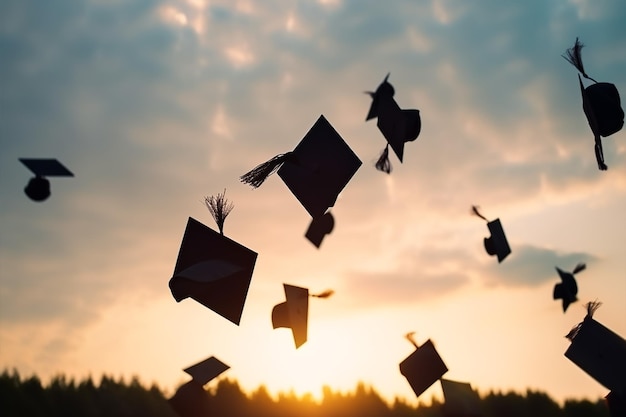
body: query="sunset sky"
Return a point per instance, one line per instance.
(156, 104)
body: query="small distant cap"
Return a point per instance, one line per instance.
(393, 125)
(384, 91)
(601, 104)
(206, 370)
(497, 244)
(293, 313)
(191, 400)
(599, 352)
(423, 367)
(460, 399)
(319, 228)
(46, 167)
(213, 270)
(316, 171)
(567, 289)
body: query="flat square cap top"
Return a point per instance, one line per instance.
(322, 166)
(293, 313)
(497, 244)
(46, 167)
(423, 367)
(206, 370)
(461, 399)
(213, 270)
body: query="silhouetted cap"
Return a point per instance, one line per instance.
(460, 399)
(567, 289)
(213, 270)
(191, 400)
(316, 171)
(598, 351)
(384, 91)
(496, 244)
(294, 312)
(601, 103)
(423, 367)
(319, 228)
(38, 188)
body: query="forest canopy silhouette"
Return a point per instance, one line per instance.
(62, 396)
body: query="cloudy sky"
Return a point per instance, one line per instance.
(156, 104)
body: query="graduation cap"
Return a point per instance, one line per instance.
(461, 399)
(567, 289)
(38, 188)
(213, 270)
(190, 398)
(294, 312)
(601, 103)
(423, 367)
(319, 228)
(316, 171)
(496, 244)
(397, 125)
(598, 351)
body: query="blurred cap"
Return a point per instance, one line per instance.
(460, 399)
(423, 367)
(319, 228)
(496, 244)
(599, 352)
(601, 104)
(384, 91)
(316, 171)
(204, 371)
(567, 289)
(213, 270)
(293, 313)
(38, 188)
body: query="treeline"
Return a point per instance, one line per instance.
(28, 397)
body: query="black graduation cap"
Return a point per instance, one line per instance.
(213, 270)
(294, 313)
(397, 125)
(496, 244)
(460, 399)
(319, 228)
(598, 351)
(316, 171)
(38, 188)
(567, 289)
(423, 367)
(190, 398)
(601, 103)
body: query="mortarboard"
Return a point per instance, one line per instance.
(190, 398)
(213, 270)
(567, 289)
(294, 312)
(397, 125)
(319, 228)
(461, 399)
(316, 171)
(423, 367)
(496, 244)
(38, 188)
(598, 351)
(601, 103)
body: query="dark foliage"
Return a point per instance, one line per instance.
(27, 397)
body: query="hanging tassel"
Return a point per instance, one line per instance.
(411, 338)
(325, 294)
(580, 267)
(259, 174)
(574, 56)
(592, 306)
(475, 212)
(220, 208)
(383, 163)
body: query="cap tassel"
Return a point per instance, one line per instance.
(259, 174)
(592, 306)
(600, 154)
(220, 208)
(580, 267)
(477, 213)
(573, 56)
(324, 294)
(383, 163)
(411, 338)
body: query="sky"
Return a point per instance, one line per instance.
(154, 105)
